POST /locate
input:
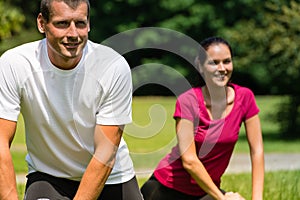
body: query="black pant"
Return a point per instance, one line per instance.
(154, 190)
(44, 186)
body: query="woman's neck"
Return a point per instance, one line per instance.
(218, 100)
(218, 94)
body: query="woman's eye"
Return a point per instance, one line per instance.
(227, 61)
(211, 62)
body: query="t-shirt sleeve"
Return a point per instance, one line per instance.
(187, 106)
(116, 108)
(250, 107)
(9, 95)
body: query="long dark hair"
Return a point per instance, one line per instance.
(202, 56)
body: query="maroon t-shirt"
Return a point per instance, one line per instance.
(214, 139)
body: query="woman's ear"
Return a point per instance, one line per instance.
(41, 23)
(198, 65)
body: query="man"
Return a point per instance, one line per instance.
(75, 98)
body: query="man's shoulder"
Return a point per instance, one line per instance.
(24, 50)
(104, 56)
(96, 48)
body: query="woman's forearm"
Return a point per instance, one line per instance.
(203, 179)
(257, 176)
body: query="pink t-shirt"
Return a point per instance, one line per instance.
(214, 139)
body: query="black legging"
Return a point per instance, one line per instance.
(44, 186)
(154, 190)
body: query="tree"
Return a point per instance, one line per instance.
(11, 20)
(197, 19)
(269, 44)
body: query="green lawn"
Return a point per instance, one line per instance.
(280, 185)
(152, 134)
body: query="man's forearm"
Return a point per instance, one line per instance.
(8, 188)
(107, 140)
(8, 185)
(93, 180)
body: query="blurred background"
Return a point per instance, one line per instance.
(265, 37)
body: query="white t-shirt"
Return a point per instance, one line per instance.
(61, 107)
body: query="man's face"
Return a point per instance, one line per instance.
(66, 33)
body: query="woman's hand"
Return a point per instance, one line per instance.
(227, 196)
(233, 196)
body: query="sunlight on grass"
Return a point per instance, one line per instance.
(278, 185)
(153, 125)
(152, 133)
(21, 189)
(147, 147)
(20, 132)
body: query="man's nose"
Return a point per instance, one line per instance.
(72, 30)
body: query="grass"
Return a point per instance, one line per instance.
(152, 135)
(278, 185)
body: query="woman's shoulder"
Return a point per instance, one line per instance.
(244, 96)
(241, 90)
(194, 92)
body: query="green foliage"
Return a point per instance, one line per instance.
(270, 43)
(264, 35)
(11, 20)
(27, 35)
(195, 19)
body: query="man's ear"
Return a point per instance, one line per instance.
(41, 23)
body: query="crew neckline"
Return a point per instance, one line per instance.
(63, 72)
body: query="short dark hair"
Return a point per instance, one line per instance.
(45, 7)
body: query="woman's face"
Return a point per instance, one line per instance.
(217, 68)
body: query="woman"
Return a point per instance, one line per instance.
(208, 120)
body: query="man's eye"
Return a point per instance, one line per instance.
(81, 24)
(62, 24)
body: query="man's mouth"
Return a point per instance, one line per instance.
(71, 45)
